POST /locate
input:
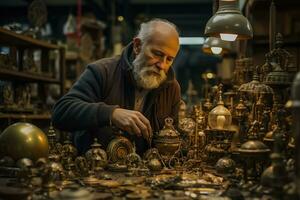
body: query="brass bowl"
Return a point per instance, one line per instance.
(23, 140)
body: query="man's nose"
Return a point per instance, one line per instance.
(162, 64)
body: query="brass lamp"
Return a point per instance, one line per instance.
(228, 23)
(214, 45)
(219, 118)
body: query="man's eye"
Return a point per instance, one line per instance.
(157, 53)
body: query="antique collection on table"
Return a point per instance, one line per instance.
(242, 144)
(241, 149)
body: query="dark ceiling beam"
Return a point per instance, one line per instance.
(97, 6)
(169, 1)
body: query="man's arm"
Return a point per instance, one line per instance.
(176, 102)
(81, 108)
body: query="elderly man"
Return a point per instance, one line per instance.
(133, 92)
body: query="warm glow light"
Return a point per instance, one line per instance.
(209, 75)
(228, 37)
(120, 18)
(221, 119)
(216, 50)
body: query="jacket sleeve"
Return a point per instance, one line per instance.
(81, 108)
(176, 102)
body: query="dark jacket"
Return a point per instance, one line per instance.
(104, 85)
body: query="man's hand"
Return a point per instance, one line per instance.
(132, 122)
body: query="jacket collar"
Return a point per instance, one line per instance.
(127, 58)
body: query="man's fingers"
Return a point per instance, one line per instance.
(133, 128)
(133, 122)
(146, 122)
(143, 128)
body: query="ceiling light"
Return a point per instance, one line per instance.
(228, 37)
(120, 18)
(213, 45)
(229, 20)
(210, 75)
(216, 50)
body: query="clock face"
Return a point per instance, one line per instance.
(37, 13)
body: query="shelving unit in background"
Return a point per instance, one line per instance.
(31, 70)
(73, 69)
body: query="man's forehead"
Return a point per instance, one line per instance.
(165, 40)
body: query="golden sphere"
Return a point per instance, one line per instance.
(23, 140)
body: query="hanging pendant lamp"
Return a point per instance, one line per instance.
(213, 45)
(228, 23)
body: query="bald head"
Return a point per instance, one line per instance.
(157, 28)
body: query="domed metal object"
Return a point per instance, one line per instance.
(154, 164)
(228, 19)
(219, 118)
(225, 165)
(23, 140)
(275, 175)
(269, 139)
(278, 77)
(254, 147)
(268, 176)
(255, 87)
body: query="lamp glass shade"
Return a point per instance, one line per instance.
(216, 50)
(219, 118)
(228, 37)
(229, 20)
(213, 45)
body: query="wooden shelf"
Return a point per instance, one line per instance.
(10, 38)
(24, 116)
(24, 76)
(17, 45)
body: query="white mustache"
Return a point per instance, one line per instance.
(153, 69)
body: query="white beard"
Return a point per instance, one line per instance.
(147, 77)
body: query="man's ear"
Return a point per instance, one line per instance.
(137, 45)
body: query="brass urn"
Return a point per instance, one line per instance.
(167, 141)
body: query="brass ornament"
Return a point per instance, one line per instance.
(225, 165)
(96, 157)
(118, 149)
(154, 164)
(23, 140)
(219, 118)
(167, 141)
